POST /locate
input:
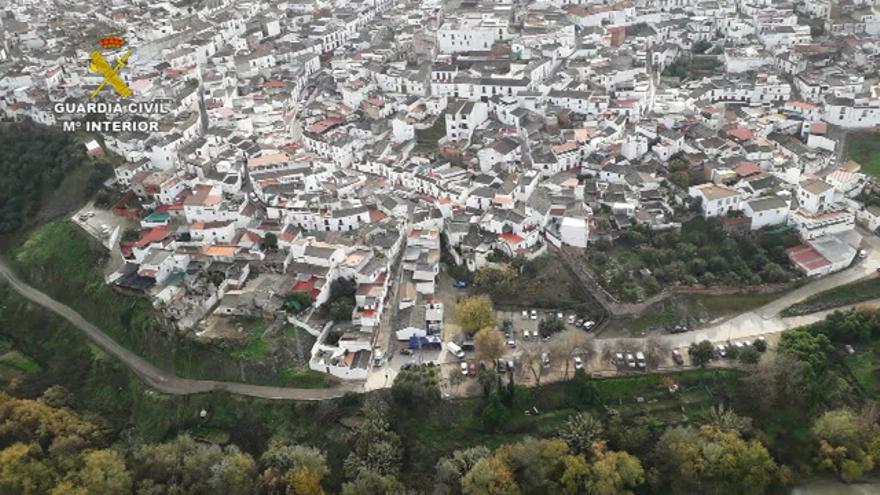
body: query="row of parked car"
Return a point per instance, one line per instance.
(721, 349)
(572, 319)
(630, 360)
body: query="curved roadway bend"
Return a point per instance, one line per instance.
(153, 376)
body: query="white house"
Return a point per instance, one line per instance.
(766, 212)
(463, 117)
(716, 200)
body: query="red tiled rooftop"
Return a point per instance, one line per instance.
(511, 238)
(806, 257)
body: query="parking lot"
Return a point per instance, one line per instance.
(527, 320)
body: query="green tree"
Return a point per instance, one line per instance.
(809, 347)
(292, 469)
(724, 419)
(489, 476)
(23, 471)
(580, 431)
(701, 353)
(450, 470)
(494, 413)
(270, 241)
(103, 473)
(475, 313)
(298, 300)
(235, 472)
(550, 326)
(376, 448)
(417, 386)
(370, 483)
(848, 444)
(749, 355)
(613, 473)
(712, 461)
(341, 309)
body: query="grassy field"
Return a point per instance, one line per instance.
(693, 309)
(862, 290)
(864, 367)
(864, 147)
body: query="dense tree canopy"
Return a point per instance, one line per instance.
(33, 162)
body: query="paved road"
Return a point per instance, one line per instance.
(154, 377)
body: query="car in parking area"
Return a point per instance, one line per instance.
(545, 360)
(464, 368)
(511, 343)
(571, 319)
(630, 360)
(526, 335)
(677, 357)
(640, 360)
(578, 363)
(534, 315)
(525, 314)
(721, 351)
(589, 324)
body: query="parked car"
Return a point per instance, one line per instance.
(721, 351)
(571, 319)
(677, 357)
(545, 360)
(501, 366)
(472, 369)
(525, 315)
(406, 351)
(460, 284)
(511, 343)
(579, 323)
(526, 335)
(863, 254)
(618, 359)
(534, 315)
(589, 324)
(455, 350)
(464, 368)
(560, 315)
(849, 349)
(578, 363)
(640, 360)
(630, 360)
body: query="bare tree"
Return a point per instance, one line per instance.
(570, 342)
(532, 359)
(655, 349)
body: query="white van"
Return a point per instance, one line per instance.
(455, 350)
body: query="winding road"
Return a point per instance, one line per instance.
(156, 378)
